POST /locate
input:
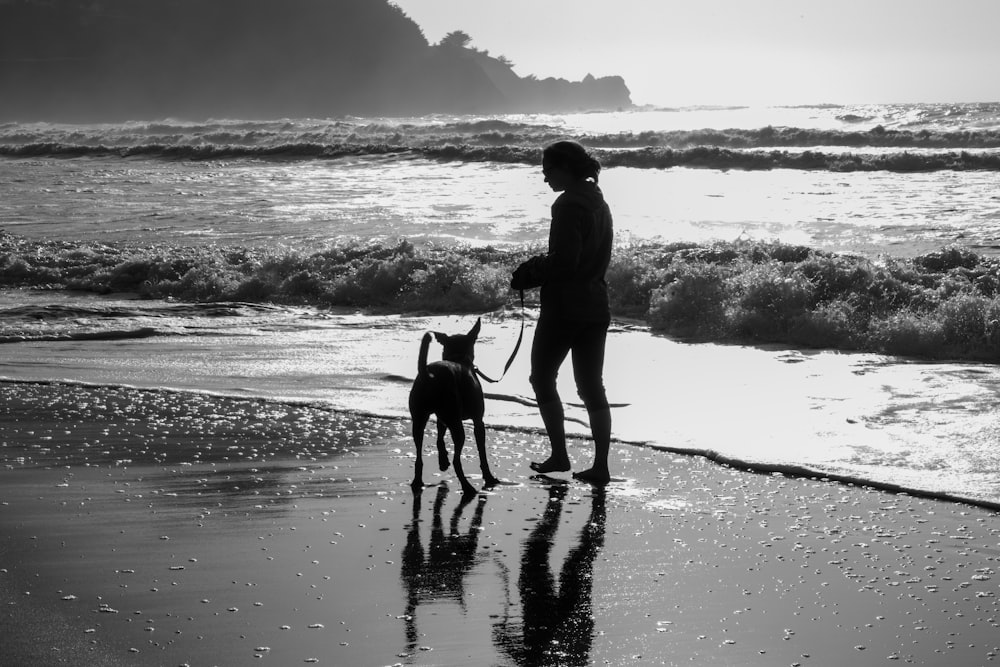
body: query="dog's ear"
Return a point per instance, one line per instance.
(440, 337)
(474, 332)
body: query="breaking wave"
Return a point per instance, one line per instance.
(944, 304)
(900, 149)
(708, 157)
(122, 334)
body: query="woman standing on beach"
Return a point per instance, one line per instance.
(575, 314)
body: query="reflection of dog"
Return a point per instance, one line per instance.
(450, 390)
(439, 572)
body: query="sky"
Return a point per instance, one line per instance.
(690, 52)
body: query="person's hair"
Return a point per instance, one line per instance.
(574, 158)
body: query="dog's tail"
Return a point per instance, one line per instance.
(422, 358)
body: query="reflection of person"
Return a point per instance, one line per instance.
(574, 314)
(557, 628)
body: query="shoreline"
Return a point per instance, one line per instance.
(517, 416)
(173, 528)
(576, 428)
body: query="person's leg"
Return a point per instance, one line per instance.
(600, 427)
(549, 348)
(555, 427)
(588, 370)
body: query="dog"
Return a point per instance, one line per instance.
(450, 390)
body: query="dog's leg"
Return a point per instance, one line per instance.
(442, 447)
(479, 430)
(419, 424)
(458, 437)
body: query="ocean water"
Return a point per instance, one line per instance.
(901, 180)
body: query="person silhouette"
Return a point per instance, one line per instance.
(574, 313)
(557, 624)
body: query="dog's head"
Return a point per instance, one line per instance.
(459, 348)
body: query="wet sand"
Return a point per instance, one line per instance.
(152, 528)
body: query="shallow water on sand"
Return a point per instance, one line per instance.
(927, 427)
(184, 529)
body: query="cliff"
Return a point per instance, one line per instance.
(137, 59)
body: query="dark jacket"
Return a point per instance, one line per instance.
(572, 274)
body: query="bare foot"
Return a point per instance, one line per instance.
(551, 464)
(594, 476)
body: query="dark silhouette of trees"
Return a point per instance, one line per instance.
(120, 59)
(456, 40)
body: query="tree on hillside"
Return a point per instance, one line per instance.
(456, 39)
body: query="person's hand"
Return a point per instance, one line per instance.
(527, 275)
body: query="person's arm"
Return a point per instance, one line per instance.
(565, 248)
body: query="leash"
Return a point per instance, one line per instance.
(517, 346)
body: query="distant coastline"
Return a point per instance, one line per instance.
(141, 59)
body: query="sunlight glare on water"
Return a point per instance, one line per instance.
(860, 212)
(416, 199)
(376, 198)
(863, 416)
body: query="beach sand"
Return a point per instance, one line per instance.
(152, 528)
